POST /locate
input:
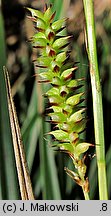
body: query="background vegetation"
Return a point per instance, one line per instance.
(49, 179)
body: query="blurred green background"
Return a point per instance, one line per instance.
(46, 166)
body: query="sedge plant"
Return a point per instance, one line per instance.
(65, 111)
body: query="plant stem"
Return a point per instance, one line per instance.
(86, 195)
(97, 98)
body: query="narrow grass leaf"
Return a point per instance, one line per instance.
(8, 176)
(21, 164)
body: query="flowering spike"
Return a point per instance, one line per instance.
(64, 99)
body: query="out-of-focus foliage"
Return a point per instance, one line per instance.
(47, 167)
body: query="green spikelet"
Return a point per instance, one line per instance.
(63, 97)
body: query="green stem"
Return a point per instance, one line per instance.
(97, 98)
(86, 195)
